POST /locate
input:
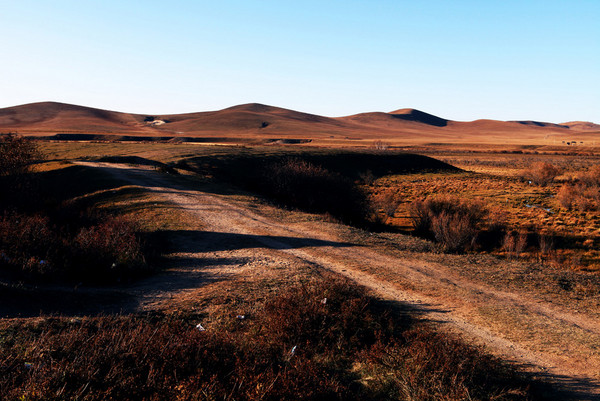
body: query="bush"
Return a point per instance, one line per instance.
(27, 242)
(387, 203)
(591, 178)
(542, 173)
(579, 196)
(85, 249)
(453, 222)
(18, 154)
(108, 251)
(298, 183)
(514, 243)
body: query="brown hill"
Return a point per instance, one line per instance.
(582, 126)
(50, 117)
(419, 116)
(249, 118)
(258, 122)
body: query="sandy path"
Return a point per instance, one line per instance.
(547, 337)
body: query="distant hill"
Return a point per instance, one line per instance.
(255, 122)
(582, 126)
(60, 117)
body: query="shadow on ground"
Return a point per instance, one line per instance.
(191, 241)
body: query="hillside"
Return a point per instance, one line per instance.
(257, 122)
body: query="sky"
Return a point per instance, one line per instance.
(461, 60)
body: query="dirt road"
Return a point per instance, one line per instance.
(549, 337)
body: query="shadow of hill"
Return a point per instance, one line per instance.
(351, 164)
(182, 241)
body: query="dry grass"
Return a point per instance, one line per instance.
(321, 339)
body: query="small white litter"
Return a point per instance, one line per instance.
(241, 317)
(199, 327)
(324, 301)
(293, 351)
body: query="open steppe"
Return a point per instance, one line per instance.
(231, 245)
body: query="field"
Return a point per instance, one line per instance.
(302, 297)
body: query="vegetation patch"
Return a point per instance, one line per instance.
(321, 339)
(46, 236)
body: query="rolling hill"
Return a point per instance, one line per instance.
(261, 123)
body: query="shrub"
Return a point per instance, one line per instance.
(17, 153)
(542, 173)
(579, 196)
(386, 203)
(298, 183)
(85, 249)
(514, 243)
(566, 195)
(27, 243)
(453, 222)
(107, 251)
(591, 177)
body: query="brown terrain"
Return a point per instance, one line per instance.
(260, 123)
(222, 237)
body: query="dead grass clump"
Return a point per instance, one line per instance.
(451, 221)
(541, 173)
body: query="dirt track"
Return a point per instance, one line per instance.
(546, 336)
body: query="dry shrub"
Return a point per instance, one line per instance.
(18, 154)
(591, 178)
(514, 243)
(542, 173)
(566, 195)
(86, 249)
(300, 184)
(579, 196)
(386, 203)
(451, 221)
(108, 250)
(26, 243)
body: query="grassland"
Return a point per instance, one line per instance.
(347, 342)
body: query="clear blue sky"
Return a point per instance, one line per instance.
(461, 60)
